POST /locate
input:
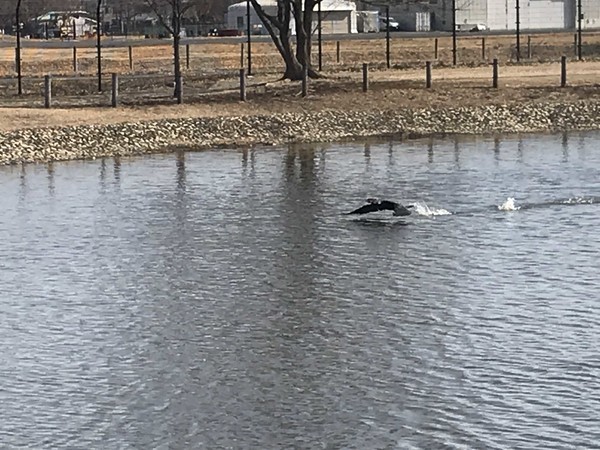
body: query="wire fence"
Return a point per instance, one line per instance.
(145, 72)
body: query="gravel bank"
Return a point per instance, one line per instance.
(88, 142)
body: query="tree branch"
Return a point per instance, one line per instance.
(154, 5)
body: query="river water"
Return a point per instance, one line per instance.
(220, 299)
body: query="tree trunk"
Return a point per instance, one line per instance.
(279, 29)
(303, 36)
(295, 62)
(293, 68)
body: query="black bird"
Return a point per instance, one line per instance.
(374, 204)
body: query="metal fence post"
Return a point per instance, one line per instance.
(387, 37)
(483, 48)
(249, 37)
(563, 71)
(454, 45)
(243, 84)
(47, 91)
(115, 90)
(75, 67)
(19, 73)
(495, 73)
(365, 77)
(518, 29)
(319, 36)
(579, 38)
(428, 74)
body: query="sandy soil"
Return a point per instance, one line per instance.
(402, 86)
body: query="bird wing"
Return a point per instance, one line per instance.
(401, 210)
(386, 204)
(371, 207)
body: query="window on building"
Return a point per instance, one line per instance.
(240, 22)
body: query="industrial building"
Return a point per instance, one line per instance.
(340, 16)
(499, 14)
(337, 16)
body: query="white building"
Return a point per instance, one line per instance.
(64, 24)
(502, 15)
(337, 16)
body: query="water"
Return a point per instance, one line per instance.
(222, 300)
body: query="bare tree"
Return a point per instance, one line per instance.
(202, 9)
(278, 27)
(170, 14)
(30, 9)
(6, 14)
(207, 11)
(34, 8)
(126, 10)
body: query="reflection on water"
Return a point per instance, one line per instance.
(221, 299)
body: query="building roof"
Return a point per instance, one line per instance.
(326, 5)
(260, 2)
(52, 15)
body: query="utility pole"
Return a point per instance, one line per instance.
(579, 18)
(387, 36)
(518, 23)
(249, 32)
(99, 43)
(454, 32)
(320, 37)
(18, 49)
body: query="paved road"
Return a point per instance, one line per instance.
(124, 42)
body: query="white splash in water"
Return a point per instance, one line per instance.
(579, 201)
(423, 210)
(509, 205)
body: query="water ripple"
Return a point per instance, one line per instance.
(221, 300)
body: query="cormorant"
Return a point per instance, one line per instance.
(374, 204)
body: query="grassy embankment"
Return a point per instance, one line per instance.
(211, 81)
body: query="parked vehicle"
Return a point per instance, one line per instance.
(479, 27)
(224, 32)
(392, 26)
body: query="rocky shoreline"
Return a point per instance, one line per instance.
(128, 139)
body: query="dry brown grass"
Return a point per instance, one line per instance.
(211, 57)
(211, 82)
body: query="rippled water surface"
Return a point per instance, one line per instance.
(222, 300)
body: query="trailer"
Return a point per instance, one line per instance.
(415, 21)
(367, 21)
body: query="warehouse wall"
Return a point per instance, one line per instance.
(501, 14)
(540, 14)
(591, 13)
(534, 14)
(471, 12)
